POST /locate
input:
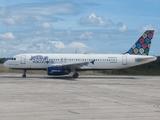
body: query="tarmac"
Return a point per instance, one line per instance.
(40, 97)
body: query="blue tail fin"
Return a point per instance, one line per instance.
(142, 46)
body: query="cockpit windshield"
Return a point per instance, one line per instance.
(12, 59)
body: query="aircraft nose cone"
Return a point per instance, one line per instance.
(5, 64)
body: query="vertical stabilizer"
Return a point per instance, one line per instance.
(142, 46)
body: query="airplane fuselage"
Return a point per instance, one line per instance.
(101, 61)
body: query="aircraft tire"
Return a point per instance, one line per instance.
(75, 75)
(24, 75)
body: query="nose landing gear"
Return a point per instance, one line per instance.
(24, 74)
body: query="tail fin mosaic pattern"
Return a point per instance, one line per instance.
(142, 46)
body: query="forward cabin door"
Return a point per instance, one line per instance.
(23, 59)
(124, 60)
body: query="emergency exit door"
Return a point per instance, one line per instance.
(63, 60)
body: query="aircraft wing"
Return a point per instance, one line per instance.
(74, 65)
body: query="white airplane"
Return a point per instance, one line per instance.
(63, 64)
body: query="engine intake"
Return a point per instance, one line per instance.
(54, 70)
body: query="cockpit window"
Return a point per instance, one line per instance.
(12, 58)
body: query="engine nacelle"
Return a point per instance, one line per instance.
(54, 70)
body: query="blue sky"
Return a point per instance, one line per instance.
(85, 26)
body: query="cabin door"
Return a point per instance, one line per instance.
(124, 60)
(23, 59)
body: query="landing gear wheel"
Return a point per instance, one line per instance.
(75, 75)
(24, 75)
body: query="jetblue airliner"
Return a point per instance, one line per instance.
(63, 64)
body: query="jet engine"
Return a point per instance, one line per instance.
(55, 70)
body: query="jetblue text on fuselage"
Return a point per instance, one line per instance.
(41, 59)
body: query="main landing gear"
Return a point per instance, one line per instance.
(75, 75)
(24, 74)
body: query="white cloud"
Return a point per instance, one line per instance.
(94, 20)
(21, 47)
(46, 25)
(10, 21)
(3, 11)
(8, 35)
(38, 8)
(43, 29)
(58, 44)
(86, 35)
(29, 13)
(3, 51)
(77, 45)
(27, 19)
(61, 45)
(38, 45)
(148, 27)
(122, 28)
(19, 20)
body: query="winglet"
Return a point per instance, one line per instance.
(142, 46)
(92, 62)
